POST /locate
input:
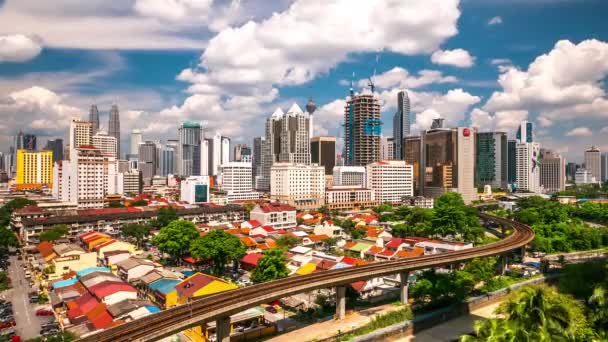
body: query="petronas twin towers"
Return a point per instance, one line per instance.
(113, 124)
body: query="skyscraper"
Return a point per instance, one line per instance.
(491, 159)
(81, 134)
(552, 171)
(136, 139)
(604, 167)
(388, 148)
(571, 170)
(256, 159)
(55, 145)
(287, 140)
(593, 162)
(511, 161)
(527, 156)
(362, 130)
(190, 136)
(34, 169)
(214, 153)
(401, 123)
(167, 159)
(242, 153)
(525, 132)
(94, 118)
(148, 160)
(106, 143)
(323, 152)
(114, 128)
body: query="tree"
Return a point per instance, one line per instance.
(7, 210)
(219, 246)
(271, 266)
(64, 336)
(358, 233)
(8, 238)
(139, 203)
(115, 204)
(164, 216)
(384, 207)
(175, 238)
(287, 241)
(482, 269)
(249, 207)
(450, 217)
(136, 231)
(55, 233)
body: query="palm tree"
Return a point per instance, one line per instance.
(495, 330)
(598, 303)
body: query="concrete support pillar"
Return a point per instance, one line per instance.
(222, 329)
(404, 286)
(503, 264)
(340, 302)
(523, 253)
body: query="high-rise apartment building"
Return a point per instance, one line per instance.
(287, 140)
(299, 185)
(256, 159)
(148, 160)
(190, 136)
(391, 180)
(511, 161)
(106, 143)
(94, 118)
(34, 169)
(412, 154)
(604, 166)
(401, 124)
(130, 183)
(571, 171)
(552, 171)
(81, 134)
(525, 132)
(236, 180)
(55, 145)
(584, 176)
(215, 151)
(491, 159)
(136, 139)
(114, 127)
(82, 179)
(323, 153)
(362, 130)
(388, 148)
(242, 153)
(449, 162)
(528, 170)
(593, 162)
(349, 175)
(167, 159)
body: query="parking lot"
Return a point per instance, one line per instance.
(28, 324)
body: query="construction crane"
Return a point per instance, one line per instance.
(371, 84)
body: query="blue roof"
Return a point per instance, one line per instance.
(340, 265)
(64, 283)
(164, 286)
(88, 270)
(188, 273)
(153, 309)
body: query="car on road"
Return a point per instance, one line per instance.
(7, 324)
(33, 299)
(44, 312)
(46, 332)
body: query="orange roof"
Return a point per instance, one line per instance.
(45, 248)
(318, 238)
(374, 250)
(103, 244)
(372, 232)
(245, 231)
(271, 243)
(415, 252)
(247, 241)
(234, 231)
(349, 245)
(358, 286)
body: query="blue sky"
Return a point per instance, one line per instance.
(237, 62)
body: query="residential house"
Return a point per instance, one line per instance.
(110, 292)
(276, 215)
(134, 268)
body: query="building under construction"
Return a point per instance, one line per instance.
(362, 130)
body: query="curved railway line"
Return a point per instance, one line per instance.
(213, 307)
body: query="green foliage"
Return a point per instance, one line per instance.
(536, 314)
(358, 233)
(482, 269)
(175, 238)
(65, 336)
(7, 210)
(115, 204)
(580, 280)
(384, 207)
(585, 191)
(139, 203)
(136, 231)
(249, 207)
(219, 246)
(164, 216)
(597, 212)
(381, 321)
(452, 217)
(435, 289)
(55, 233)
(287, 241)
(4, 284)
(8, 238)
(271, 266)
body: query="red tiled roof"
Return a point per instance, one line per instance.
(86, 302)
(108, 287)
(234, 231)
(190, 260)
(252, 258)
(29, 209)
(103, 244)
(190, 285)
(254, 223)
(387, 253)
(45, 248)
(74, 313)
(326, 265)
(318, 238)
(358, 286)
(351, 261)
(394, 243)
(276, 207)
(85, 235)
(98, 310)
(349, 245)
(102, 321)
(268, 229)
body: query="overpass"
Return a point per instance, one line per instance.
(220, 306)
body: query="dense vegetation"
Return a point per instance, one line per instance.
(559, 228)
(271, 266)
(586, 191)
(55, 233)
(218, 246)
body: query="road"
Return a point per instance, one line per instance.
(28, 324)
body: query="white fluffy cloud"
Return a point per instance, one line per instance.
(401, 78)
(18, 48)
(500, 61)
(452, 106)
(503, 121)
(604, 130)
(174, 10)
(458, 57)
(562, 84)
(580, 132)
(495, 21)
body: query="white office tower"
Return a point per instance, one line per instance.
(195, 189)
(129, 183)
(287, 140)
(584, 176)
(593, 162)
(552, 171)
(299, 185)
(388, 148)
(215, 151)
(528, 168)
(81, 134)
(82, 179)
(236, 180)
(136, 139)
(105, 143)
(349, 175)
(391, 180)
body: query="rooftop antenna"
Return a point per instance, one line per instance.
(352, 79)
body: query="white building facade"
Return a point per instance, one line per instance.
(195, 189)
(528, 168)
(391, 180)
(236, 179)
(349, 175)
(299, 185)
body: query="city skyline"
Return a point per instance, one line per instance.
(49, 77)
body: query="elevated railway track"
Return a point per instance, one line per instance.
(220, 306)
